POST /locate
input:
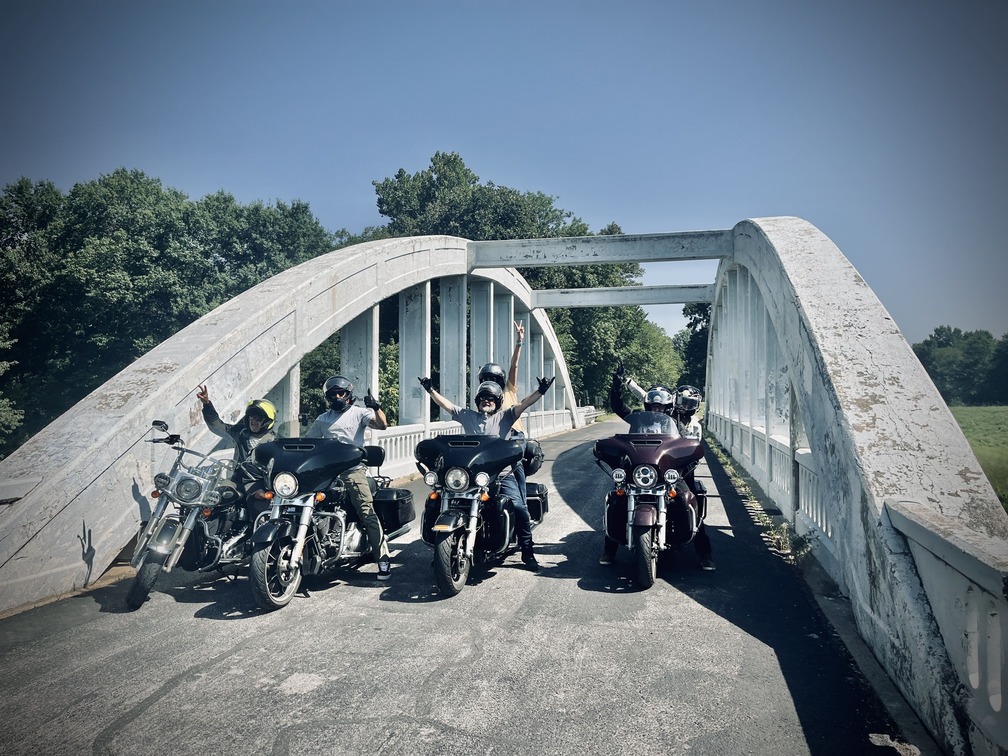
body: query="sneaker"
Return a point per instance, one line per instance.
(384, 569)
(707, 564)
(530, 561)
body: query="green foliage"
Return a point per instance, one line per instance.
(95, 278)
(318, 366)
(986, 429)
(691, 344)
(10, 418)
(969, 368)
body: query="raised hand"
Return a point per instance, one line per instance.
(426, 383)
(544, 384)
(370, 402)
(203, 395)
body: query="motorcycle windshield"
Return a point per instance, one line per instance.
(664, 452)
(315, 461)
(489, 454)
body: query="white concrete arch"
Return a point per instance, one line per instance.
(791, 309)
(76, 491)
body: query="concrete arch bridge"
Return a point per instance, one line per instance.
(811, 388)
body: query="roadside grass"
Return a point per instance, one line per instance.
(986, 429)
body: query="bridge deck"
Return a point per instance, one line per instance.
(572, 660)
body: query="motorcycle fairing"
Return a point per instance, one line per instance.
(627, 450)
(315, 461)
(489, 454)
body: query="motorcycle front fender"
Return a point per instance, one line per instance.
(269, 531)
(164, 539)
(448, 522)
(645, 515)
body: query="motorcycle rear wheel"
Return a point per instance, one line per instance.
(451, 566)
(645, 556)
(145, 578)
(274, 581)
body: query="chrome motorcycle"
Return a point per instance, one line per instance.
(466, 518)
(652, 507)
(312, 527)
(196, 494)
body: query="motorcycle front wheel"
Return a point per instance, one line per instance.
(146, 575)
(451, 566)
(273, 578)
(645, 555)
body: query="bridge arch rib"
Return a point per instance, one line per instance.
(812, 388)
(76, 491)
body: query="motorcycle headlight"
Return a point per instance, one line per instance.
(645, 476)
(285, 484)
(456, 479)
(671, 477)
(618, 475)
(161, 481)
(430, 479)
(188, 490)
(212, 499)
(482, 480)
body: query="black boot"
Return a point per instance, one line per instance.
(529, 558)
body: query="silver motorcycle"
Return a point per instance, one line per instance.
(196, 494)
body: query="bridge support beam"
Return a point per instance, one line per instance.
(414, 353)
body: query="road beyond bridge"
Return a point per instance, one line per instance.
(572, 660)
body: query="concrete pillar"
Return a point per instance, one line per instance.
(286, 397)
(481, 331)
(534, 347)
(524, 379)
(453, 338)
(503, 329)
(549, 401)
(414, 353)
(359, 352)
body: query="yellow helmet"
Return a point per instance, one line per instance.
(264, 409)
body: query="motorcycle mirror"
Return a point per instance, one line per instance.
(160, 425)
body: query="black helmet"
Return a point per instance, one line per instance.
(492, 372)
(687, 399)
(265, 411)
(657, 399)
(493, 391)
(338, 392)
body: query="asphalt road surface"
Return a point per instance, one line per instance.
(572, 660)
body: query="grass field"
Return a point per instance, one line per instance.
(986, 429)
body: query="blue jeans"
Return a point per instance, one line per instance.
(523, 525)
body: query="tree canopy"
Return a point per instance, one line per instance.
(968, 368)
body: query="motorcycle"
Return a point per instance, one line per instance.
(653, 507)
(312, 527)
(466, 519)
(198, 496)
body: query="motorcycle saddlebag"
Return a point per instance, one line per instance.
(537, 497)
(394, 507)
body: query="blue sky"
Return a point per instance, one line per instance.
(881, 122)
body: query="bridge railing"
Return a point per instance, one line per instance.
(788, 478)
(399, 441)
(970, 573)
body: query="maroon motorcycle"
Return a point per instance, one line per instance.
(652, 507)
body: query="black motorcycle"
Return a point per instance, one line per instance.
(466, 519)
(198, 521)
(312, 527)
(651, 507)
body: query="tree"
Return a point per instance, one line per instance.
(964, 366)
(693, 344)
(10, 417)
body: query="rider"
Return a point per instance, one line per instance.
(345, 422)
(254, 428)
(491, 420)
(686, 400)
(655, 418)
(493, 372)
